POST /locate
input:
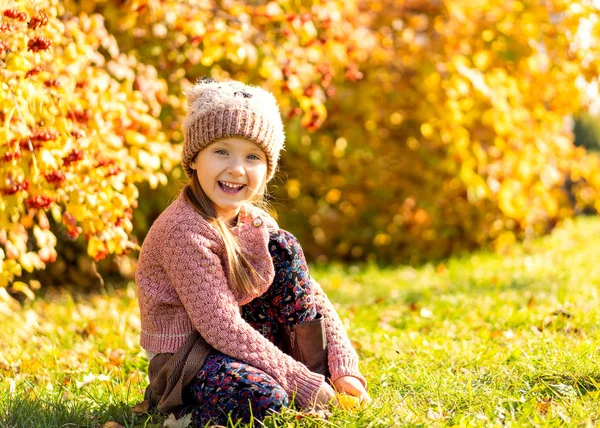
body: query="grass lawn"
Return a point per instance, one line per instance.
(482, 340)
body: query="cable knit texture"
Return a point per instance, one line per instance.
(182, 286)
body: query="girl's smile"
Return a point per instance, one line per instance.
(231, 171)
(231, 188)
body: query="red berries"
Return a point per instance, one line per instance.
(353, 74)
(35, 70)
(15, 187)
(8, 156)
(39, 201)
(38, 43)
(6, 27)
(37, 21)
(15, 13)
(38, 139)
(73, 156)
(55, 177)
(3, 46)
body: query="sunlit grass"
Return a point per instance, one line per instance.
(482, 340)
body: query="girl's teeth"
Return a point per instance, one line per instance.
(232, 186)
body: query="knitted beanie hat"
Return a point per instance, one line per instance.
(219, 110)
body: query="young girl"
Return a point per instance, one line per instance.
(233, 324)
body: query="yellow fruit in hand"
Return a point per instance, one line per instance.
(348, 402)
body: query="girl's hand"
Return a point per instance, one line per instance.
(325, 396)
(352, 386)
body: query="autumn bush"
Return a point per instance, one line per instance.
(415, 129)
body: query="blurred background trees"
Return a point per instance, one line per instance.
(415, 129)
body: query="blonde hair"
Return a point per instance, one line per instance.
(242, 275)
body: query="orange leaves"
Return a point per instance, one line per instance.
(462, 111)
(63, 114)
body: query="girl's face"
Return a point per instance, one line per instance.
(231, 171)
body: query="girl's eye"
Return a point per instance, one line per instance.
(221, 152)
(254, 157)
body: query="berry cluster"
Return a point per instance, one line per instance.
(37, 21)
(38, 43)
(15, 13)
(55, 177)
(16, 187)
(77, 134)
(38, 138)
(73, 156)
(52, 83)
(6, 27)
(35, 70)
(8, 156)
(3, 46)
(39, 201)
(79, 116)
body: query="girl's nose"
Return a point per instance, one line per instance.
(236, 168)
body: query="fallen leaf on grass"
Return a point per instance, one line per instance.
(135, 377)
(115, 356)
(173, 422)
(4, 366)
(562, 312)
(384, 323)
(91, 377)
(112, 424)
(543, 406)
(141, 407)
(435, 415)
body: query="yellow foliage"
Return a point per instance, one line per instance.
(415, 129)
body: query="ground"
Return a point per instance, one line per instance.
(487, 339)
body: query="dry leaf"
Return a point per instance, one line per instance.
(90, 377)
(562, 312)
(141, 407)
(182, 422)
(543, 406)
(384, 323)
(112, 424)
(4, 364)
(116, 356)
(435, 415)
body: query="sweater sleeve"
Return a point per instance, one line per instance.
(201, 284)
(343, 360)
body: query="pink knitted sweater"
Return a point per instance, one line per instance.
(182, 286)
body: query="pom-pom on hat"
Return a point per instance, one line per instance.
(219, 110)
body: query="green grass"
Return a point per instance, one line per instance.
(482, 340)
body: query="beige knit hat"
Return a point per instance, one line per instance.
(219, 110)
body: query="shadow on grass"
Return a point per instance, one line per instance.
(558, 384)
(51, 412)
